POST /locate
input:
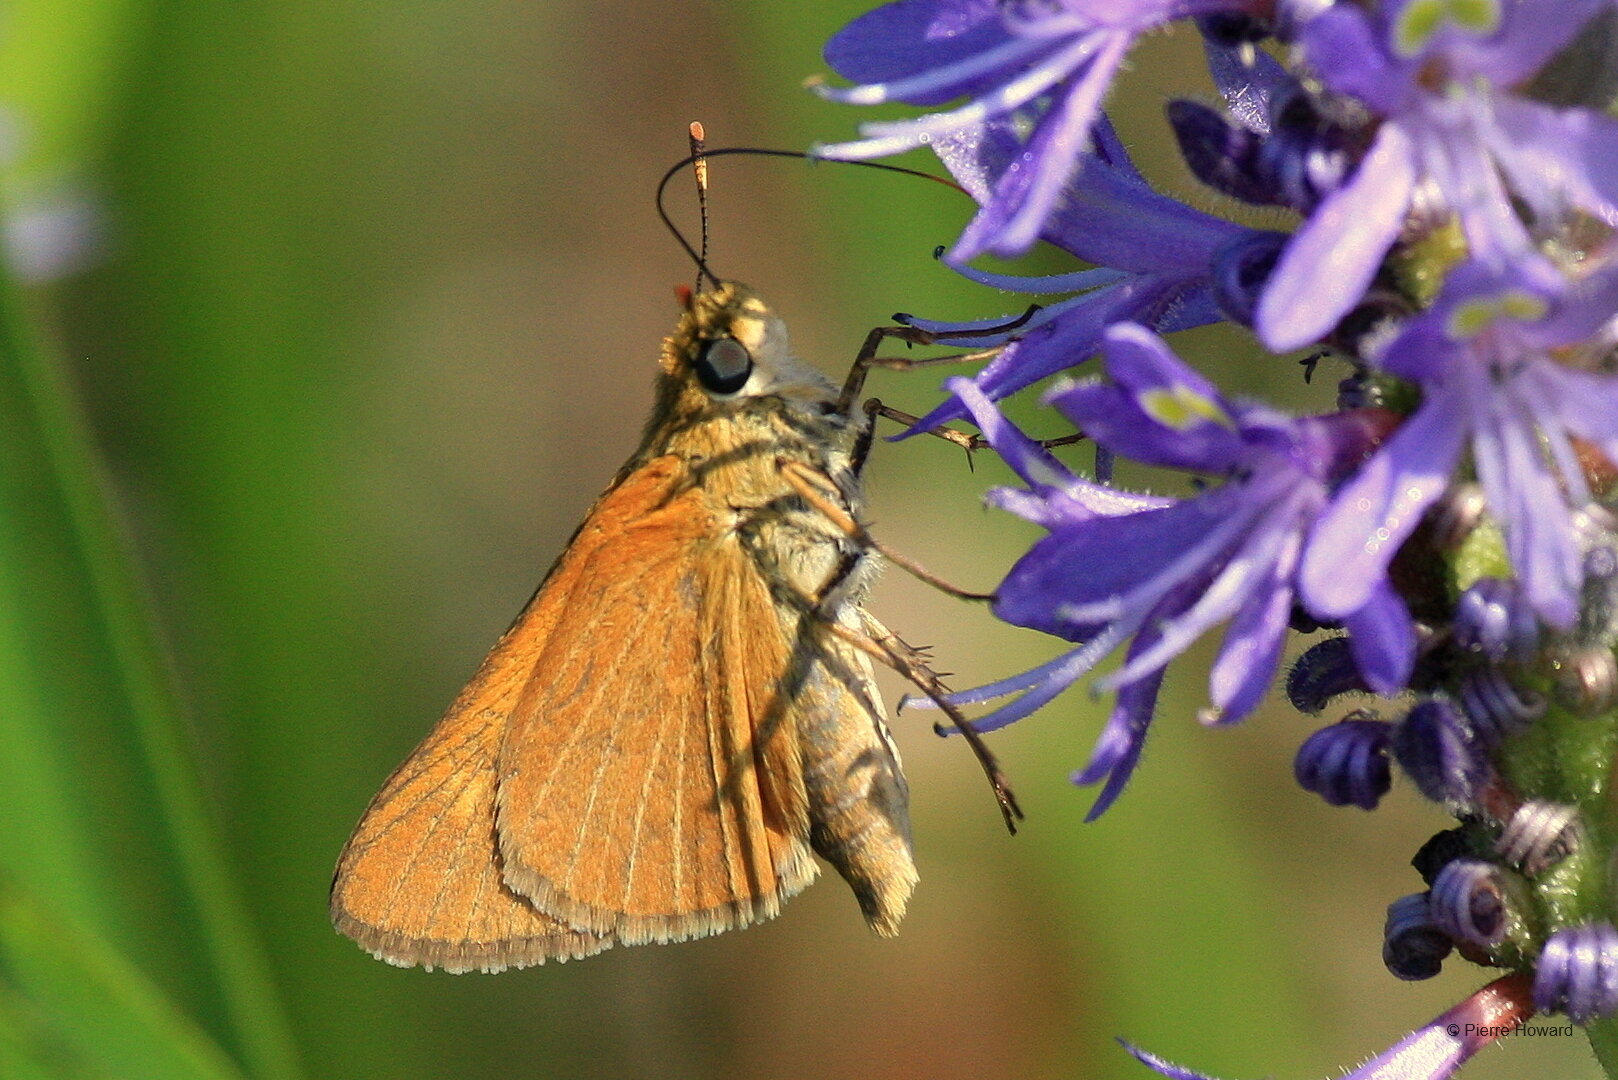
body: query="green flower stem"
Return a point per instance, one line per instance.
(1569, 756)
(1603, 1036)
(246, 989)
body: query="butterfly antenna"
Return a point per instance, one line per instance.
(699, 166)
(699, 158)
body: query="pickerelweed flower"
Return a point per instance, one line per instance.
(1160, 263)
(1450, 529)
(1483, 356)
(1050, 62)
(1453, 135)
(1164, 575)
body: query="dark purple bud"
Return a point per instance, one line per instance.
(1220, 152)
(1495, 708)
(1301, 622)
(1346, 763)
(1435, 746)
(1456, 514)
(1586, 679)
(1578, 972)
(1494, 618)
(1309, 153)
(1240, 271)
(1412, 947)
(1325, 671)
(1468, 903)
(1539, 835)
(1440, 850)
(1229, 29)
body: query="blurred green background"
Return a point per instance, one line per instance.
(335, 316)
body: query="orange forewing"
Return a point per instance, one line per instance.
(420, 880)
(651, 783)
(641, 794)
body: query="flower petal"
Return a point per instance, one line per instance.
(1324, 270)
(1382, 638)
(906, 39)
(1370, 516)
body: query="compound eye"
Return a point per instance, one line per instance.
(723, 365)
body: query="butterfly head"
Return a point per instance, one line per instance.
(730, 346)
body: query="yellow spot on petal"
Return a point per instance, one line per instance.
(1472, 317)
(1180, 407)
(1420, 22)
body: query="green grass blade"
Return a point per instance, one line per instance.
(71, 1006)
(151, 701)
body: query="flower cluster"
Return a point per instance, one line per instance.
(1447, 528)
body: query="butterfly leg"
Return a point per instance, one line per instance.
(965, 440)
(882, 644)
(810, 486)
(867, 358)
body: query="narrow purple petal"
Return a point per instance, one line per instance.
(1050, 670)
(1077, 501)
(1343, 49)
(1247, 79)
(1352, 544)
(1072, 667)
(1028, 190)
(1026, 457)
(1433, 1052)
(904, 39)
(1528, 39)
(1526, 498)
(1324, 270)
(1243, 576)
(941, 82)
(1248, 658)
(1146, 555)
(1586, 404)
(1058, 345)
(1038, 77)
(1168, 1069)
(1558, 155)
(1119, 748)
(1078, 281)
(1108, 215)
(1160, 412)
(1382, 637)
(1115, 420)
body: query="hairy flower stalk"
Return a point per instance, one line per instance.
(1447, 535)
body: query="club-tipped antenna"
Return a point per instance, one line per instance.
(699, 166)
(698, 160)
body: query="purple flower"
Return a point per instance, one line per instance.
(1051, 60)
(1440, 77)
(1168, 266)
(1346, 763)
(1492, 620)
(1413, 948)
(1468, 903)
(1437, 749)
(1539, 835)
(1482, 357)
(1578, 972)
(1160, 574)
(1433, 1052)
